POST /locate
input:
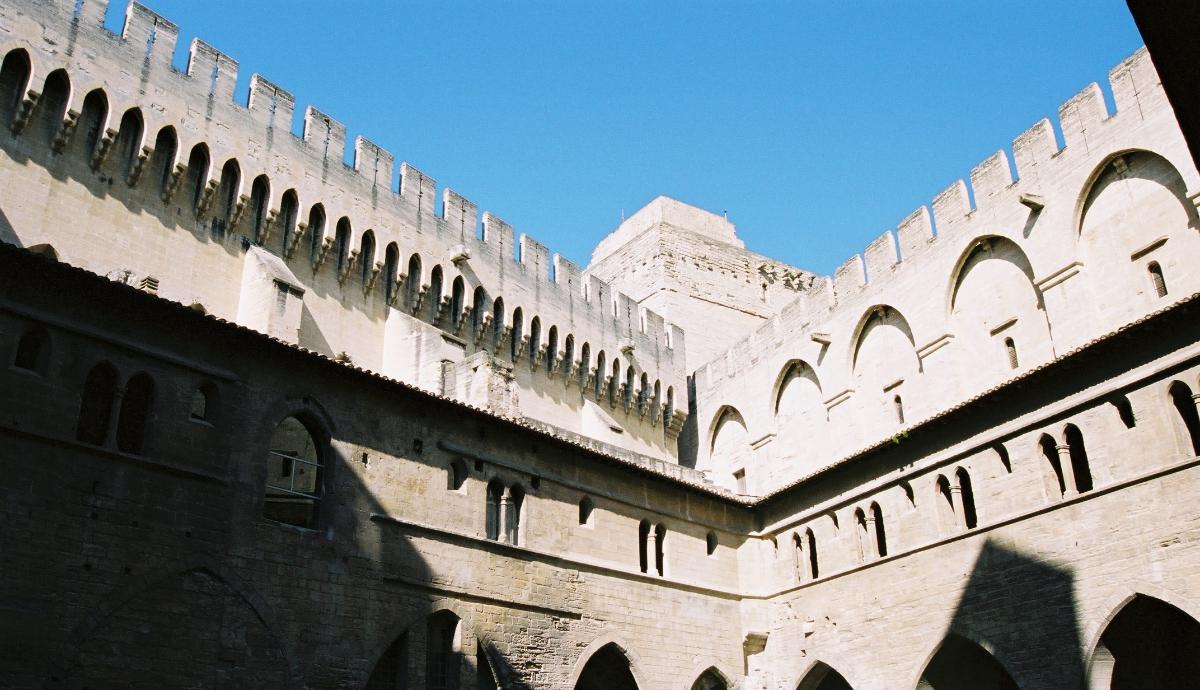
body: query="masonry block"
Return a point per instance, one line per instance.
(150, 34)
(269, 104)
(1133, 81)
(418, 188)
(850, 276)
(990, 177)
(460, 213)
(373, 162)
(535, 256)
(1033, 147)
(566, 273)
(1084, 111)
(216, 71)
(499, 235)
(915, 232)
(950, 206)
(881, 257)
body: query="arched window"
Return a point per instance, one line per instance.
(14, 79)
(669, 410)
(1157, 279)
(227, 196)
(33, 350)
(514, 344)
(203, 403)
(630, 377)
(435, 288)
(341, 243)
(95, 408)
(51, 108)
(644, 545)
(1010, 348)
(586, 509)
(136, 405)
(898, 404)
(585, 363)
(598, 384)
(864, 536)
(391, 265)
(456, 474)
(1185, 406)
(614, 382)
(366, 255)
(660, 549)
(93, 118)
(1050, 452)
(260, 201)
(1002, 455)
(289, 211)
(413, 282)
(551, 349)
(457, 295)
(814, 570)
(443, 660)
(295, 476)
(798, 557)
(1125, 411)
(1079, 459)
(495, 491)
(880, 532)
(568, 357)
(316, 232)
(498, 323)
(710, 542)
(945, 503)
(908, 494)
(166, 148)
(512, 517)
(970, 520)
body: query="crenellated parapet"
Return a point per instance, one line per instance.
(369, 238)
(1042, 248)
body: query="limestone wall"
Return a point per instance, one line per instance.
(134, 170)
(967, 295)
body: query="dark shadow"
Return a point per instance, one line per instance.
(1148, 645)
(823, 677)
(607, 669)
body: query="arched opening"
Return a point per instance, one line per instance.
(1010, 349)
(945, 503)
(880, 533)
(551, 349)
(478, 309)
(660, 549)
(798, 557)
(1157, 281)
(413, 282)
(518, 327)
(669, 409)
(316, 232)
(197, 175)
(711, 679)
(203, 407)
(1080, 467)
(710, 543)
(227, 197)
(136, 405)
(295, 475)
(1185, 406)
(607, 669)
(970, 519)
(1148, 645)
(512, 516)
(485, 674)
(498, 324)
(14, 80)
(391, 671)
(627, 394)
(289, 213)
(1125, 411)
(1050, 452)
(585, 363)
(129, 142)
(598, 383)
(435, 288)
(366, 256)
(456, 474)
(898, 407)
(52, 106)
(644, 545)
(729, 445)
(822, 677)
(457, 295)
(495, 492)
(166, 150)
(93, 118)
(95, 408)
(587, 509)
(810, 541)
(33, 350)
(535, 339)
(391, 267)
(341, 244)
(960, 664)
(443, 653)
(614, 381)
(864, 535)
(260, 201)
(568, 356)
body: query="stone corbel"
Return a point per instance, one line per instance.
(421, 292)
(103, 146)
(555, 363)
(174, 182)
(24, 110)
(485, 325)
(206, 197)
(238, 209)
(658, 410)
(536, 353)
(268, 227)
(135, 170)
(398, 289)
(440, 309)
(372, 277)
(675, 424)
(301, 231)
(590, 379)
(462, 320)
(326, 245)
(351, 259)
(65, 129)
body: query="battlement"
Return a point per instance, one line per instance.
(909, 277)
(362, 223)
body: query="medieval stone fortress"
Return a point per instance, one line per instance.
(272, 422)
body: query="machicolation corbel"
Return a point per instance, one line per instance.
(326, 245)
(372, 277)
(103, 146)
(135, 170)
(268, 227)
(210, 191)
(440, 309)
(239, 208)
(24, 110)
(485, 325)
(301, 231)
(463, 317)
(65, 129)
(421, 292)
(174, 182)
(347, 266)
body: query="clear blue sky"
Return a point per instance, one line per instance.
(815, 125)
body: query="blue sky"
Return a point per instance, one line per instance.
(817, 126)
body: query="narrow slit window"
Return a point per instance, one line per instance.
(898, 404)
(1010, 348)
(1157, 279)
(586, 509)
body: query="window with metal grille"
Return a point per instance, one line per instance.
(294, 476)
(1156, 277)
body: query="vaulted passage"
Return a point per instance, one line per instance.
(1149, 645)
(608, 669)
(963, 665)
